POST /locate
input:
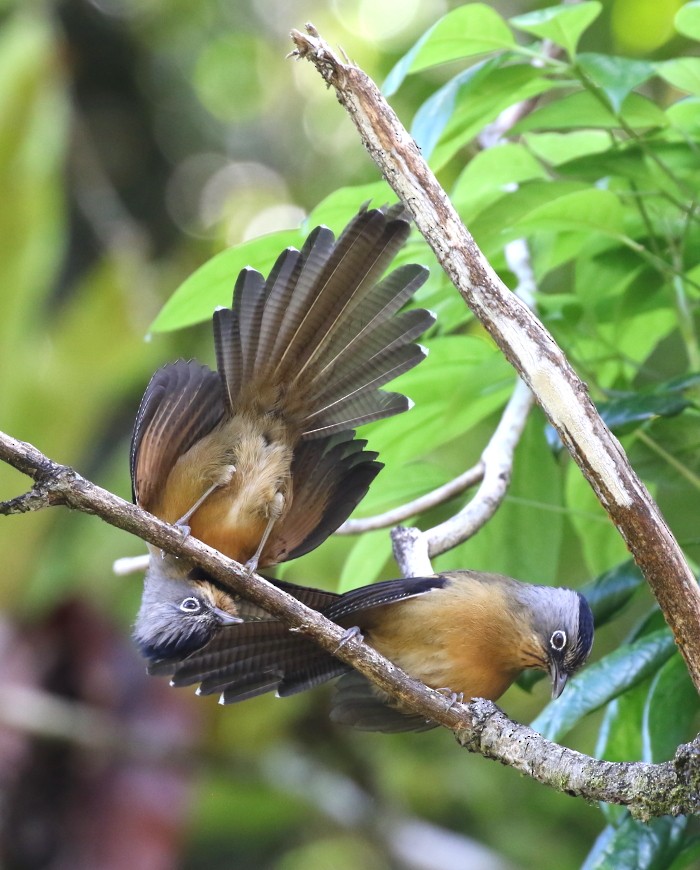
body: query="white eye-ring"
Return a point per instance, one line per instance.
(190, 605)
(558, 640)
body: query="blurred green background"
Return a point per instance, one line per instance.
(137, 139)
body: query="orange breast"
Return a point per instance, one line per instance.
(464, 638)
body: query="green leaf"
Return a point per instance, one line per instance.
(671, 707)
(687, 20)
(682, 73)
(366, 560)
(633, 845)
(611, 592)
(487, 175)
(616, 76)
(620, 734)
(689, 856)
(523, 538)
(583, 109)
(466, 31)
(685, 116)
(557, 148)
(475, 107)
(562, 25)
(601, 545)
(433, 116)
(338, 207)
(212, 284)
(603, 681)
(628, 412)
(589, 210)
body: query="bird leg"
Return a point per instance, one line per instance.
(274, 513)
(226, 476)
(452, 697)
(349, 634)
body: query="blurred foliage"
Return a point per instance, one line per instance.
(139, 138)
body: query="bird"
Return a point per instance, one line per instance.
(259, 458)
(466, 633)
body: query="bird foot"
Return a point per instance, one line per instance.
(251, 566)
(348, 635)
(184, 529)
(452, 697)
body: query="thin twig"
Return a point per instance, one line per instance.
(419, 505)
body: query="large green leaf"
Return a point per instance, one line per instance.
(562, 25)
(523, 538)
(557, 148)
(611, 592)
(682, 73)
(632, 845)
(620, 734)
(603, 681)
(366, 560)
(503, 87)
(615, 76)
(672, 705)
(339, 206)
(592, 210)
(434, 115)
(212, 284)
(582, 109)
(463, 381)
(469, 30)
(487, 174)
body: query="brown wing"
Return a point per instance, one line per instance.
(182, 403)
(329, 477)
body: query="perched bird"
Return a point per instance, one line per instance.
(259, 459)
(465, 632)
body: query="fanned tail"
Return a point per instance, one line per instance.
(320, 335)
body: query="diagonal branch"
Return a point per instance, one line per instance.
(525, 342)
(480, 726)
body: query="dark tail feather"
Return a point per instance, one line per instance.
(330, 477)
(322, 314)
(360, 704)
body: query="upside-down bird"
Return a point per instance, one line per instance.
(465, 632)
(259, 458)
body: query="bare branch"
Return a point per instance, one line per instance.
(525, 342)
(130, 565)
(497, 460)
(419, 505)
(647, 789)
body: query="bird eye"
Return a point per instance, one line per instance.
(190, 605)
(558, 640)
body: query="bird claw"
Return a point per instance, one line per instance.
(184, 529)
(452, 697)
(251, 566)
(349, 634)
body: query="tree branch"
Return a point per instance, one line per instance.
(525, 342)
(647, 789)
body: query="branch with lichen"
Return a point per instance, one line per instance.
(525, 342)
(480, 726)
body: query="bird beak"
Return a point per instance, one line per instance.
(225, 618)
(559, 679)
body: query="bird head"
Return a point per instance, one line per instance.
(562, 625)
(178, 615)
